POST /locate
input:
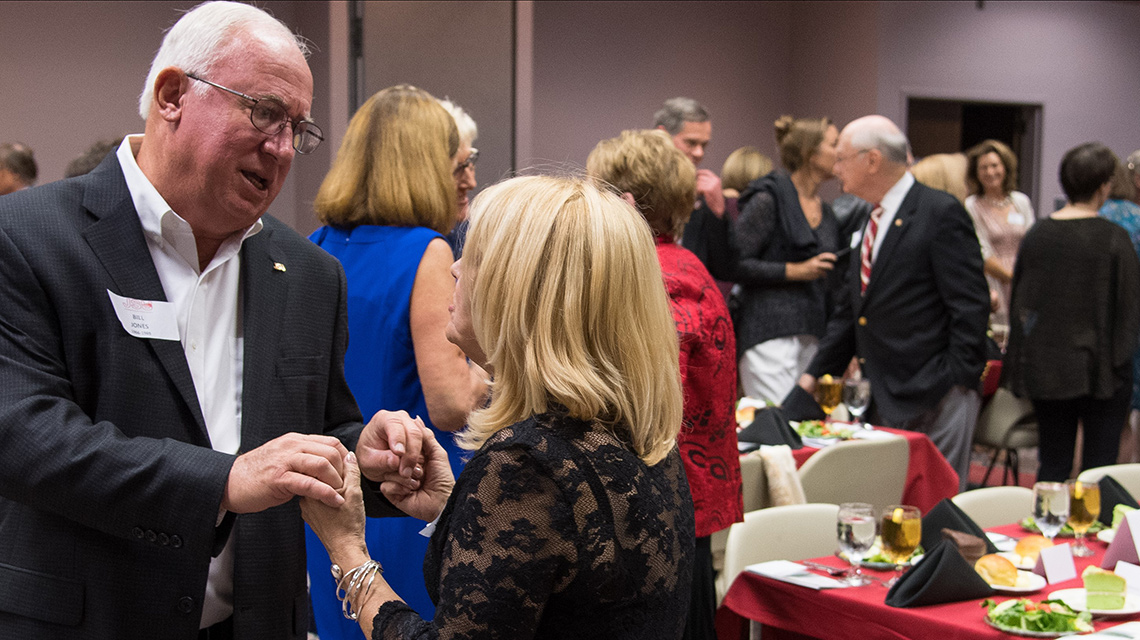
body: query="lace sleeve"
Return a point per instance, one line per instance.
(509, 544)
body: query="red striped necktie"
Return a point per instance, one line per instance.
(868, 248)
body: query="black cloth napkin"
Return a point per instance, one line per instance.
(942, 576)
(947, 515)
(770, 427)
(1112, 494)
(801, 405)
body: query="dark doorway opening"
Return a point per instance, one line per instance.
(938, 125)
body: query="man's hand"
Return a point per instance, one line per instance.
(813, 268)
(708, 187)
(422, 499)
(391, 443)
(807, 382)
(290, 465)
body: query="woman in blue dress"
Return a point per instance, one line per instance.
(386, 204)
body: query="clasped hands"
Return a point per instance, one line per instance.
(394, 449)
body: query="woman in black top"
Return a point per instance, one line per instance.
(573, 518)
(1075, 313)
(785, 240)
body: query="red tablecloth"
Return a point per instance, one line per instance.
(929, 478)
(790, 611)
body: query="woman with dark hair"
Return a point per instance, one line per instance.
(786, 239)
(1001, 214)
(1074, 314)
(386, 203)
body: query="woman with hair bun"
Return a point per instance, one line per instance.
(786, 239)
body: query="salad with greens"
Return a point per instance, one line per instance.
(820, 429)
(1066, 531)
(1047, 616)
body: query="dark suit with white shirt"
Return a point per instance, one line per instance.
(109, 490)
(919, 329)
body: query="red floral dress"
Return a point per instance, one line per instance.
(708, 379)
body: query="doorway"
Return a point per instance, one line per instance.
(938, 125)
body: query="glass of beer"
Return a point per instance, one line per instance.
(1084, 507)
(829, 393)
(901, 531)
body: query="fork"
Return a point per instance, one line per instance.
(831, 571)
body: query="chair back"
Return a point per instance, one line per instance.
(1006, 422)
(872, 471)
(790, 532)
(754, 487)
(995, 506)
(1128, 475)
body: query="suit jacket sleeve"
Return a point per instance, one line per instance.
(956, 264)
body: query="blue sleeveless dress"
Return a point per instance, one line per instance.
(380, 264)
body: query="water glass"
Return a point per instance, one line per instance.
(1050, 507)
(855, 528)
(857, 397)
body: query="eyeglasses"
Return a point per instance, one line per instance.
(469, 162)
(269, 117)
(839, 158)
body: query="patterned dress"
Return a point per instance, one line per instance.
(556, 529)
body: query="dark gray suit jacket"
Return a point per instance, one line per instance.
(920, 329)
(109, 490)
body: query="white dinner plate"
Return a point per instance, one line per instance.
(1075, 599)
(1027, 582)
(1021, 562)
(1106, 536)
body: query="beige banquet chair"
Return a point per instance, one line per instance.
(790, 532)
(1007, 423)
(754, 487)
(872, 471)
(995, 506)
(1128, 475)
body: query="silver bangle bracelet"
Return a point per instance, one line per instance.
(348, 585)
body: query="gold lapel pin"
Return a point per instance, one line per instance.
(279, 267)
(898, 223)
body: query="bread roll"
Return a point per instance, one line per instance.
(1030, 547)
(996, 570)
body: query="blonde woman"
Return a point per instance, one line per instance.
(386, 203)
(572, 517)
(945, 172)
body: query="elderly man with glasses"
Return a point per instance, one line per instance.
(172, 361)
(916, 303)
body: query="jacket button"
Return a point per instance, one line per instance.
(186, 604)
(151, 536)
(138, 532)
(163, 539)
(862, 321)
(862, 361)
(175, 542)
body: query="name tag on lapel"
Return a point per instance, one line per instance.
(152, 319)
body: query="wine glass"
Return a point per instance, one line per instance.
(857, 396)
(1084, 507)
(1050, 507)
(855, 528)
(901, 532)
(829, 393)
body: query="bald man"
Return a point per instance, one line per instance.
(916, 305)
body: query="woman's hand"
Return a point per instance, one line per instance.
(341, 529)
(423, 498)
(811, 269)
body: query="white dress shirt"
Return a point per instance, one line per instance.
(207, 306)
(890, 203)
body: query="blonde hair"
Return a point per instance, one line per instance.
(568, 304)
(945, 171)
(394, 165)
(798, 139)
(743, 166)
(661, 179)
(1008, 160)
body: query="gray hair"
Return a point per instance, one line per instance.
(1133, 162)
(203, 37)
(676, 112)
(20, 160)
(468, 132)
(876, 132)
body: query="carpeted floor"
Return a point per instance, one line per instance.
(1027, 469)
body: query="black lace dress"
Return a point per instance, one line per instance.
(556, 529)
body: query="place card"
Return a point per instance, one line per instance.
(1131, 574)
(1056, 564)
(1125, 543)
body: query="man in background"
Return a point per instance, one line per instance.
(17, 167)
